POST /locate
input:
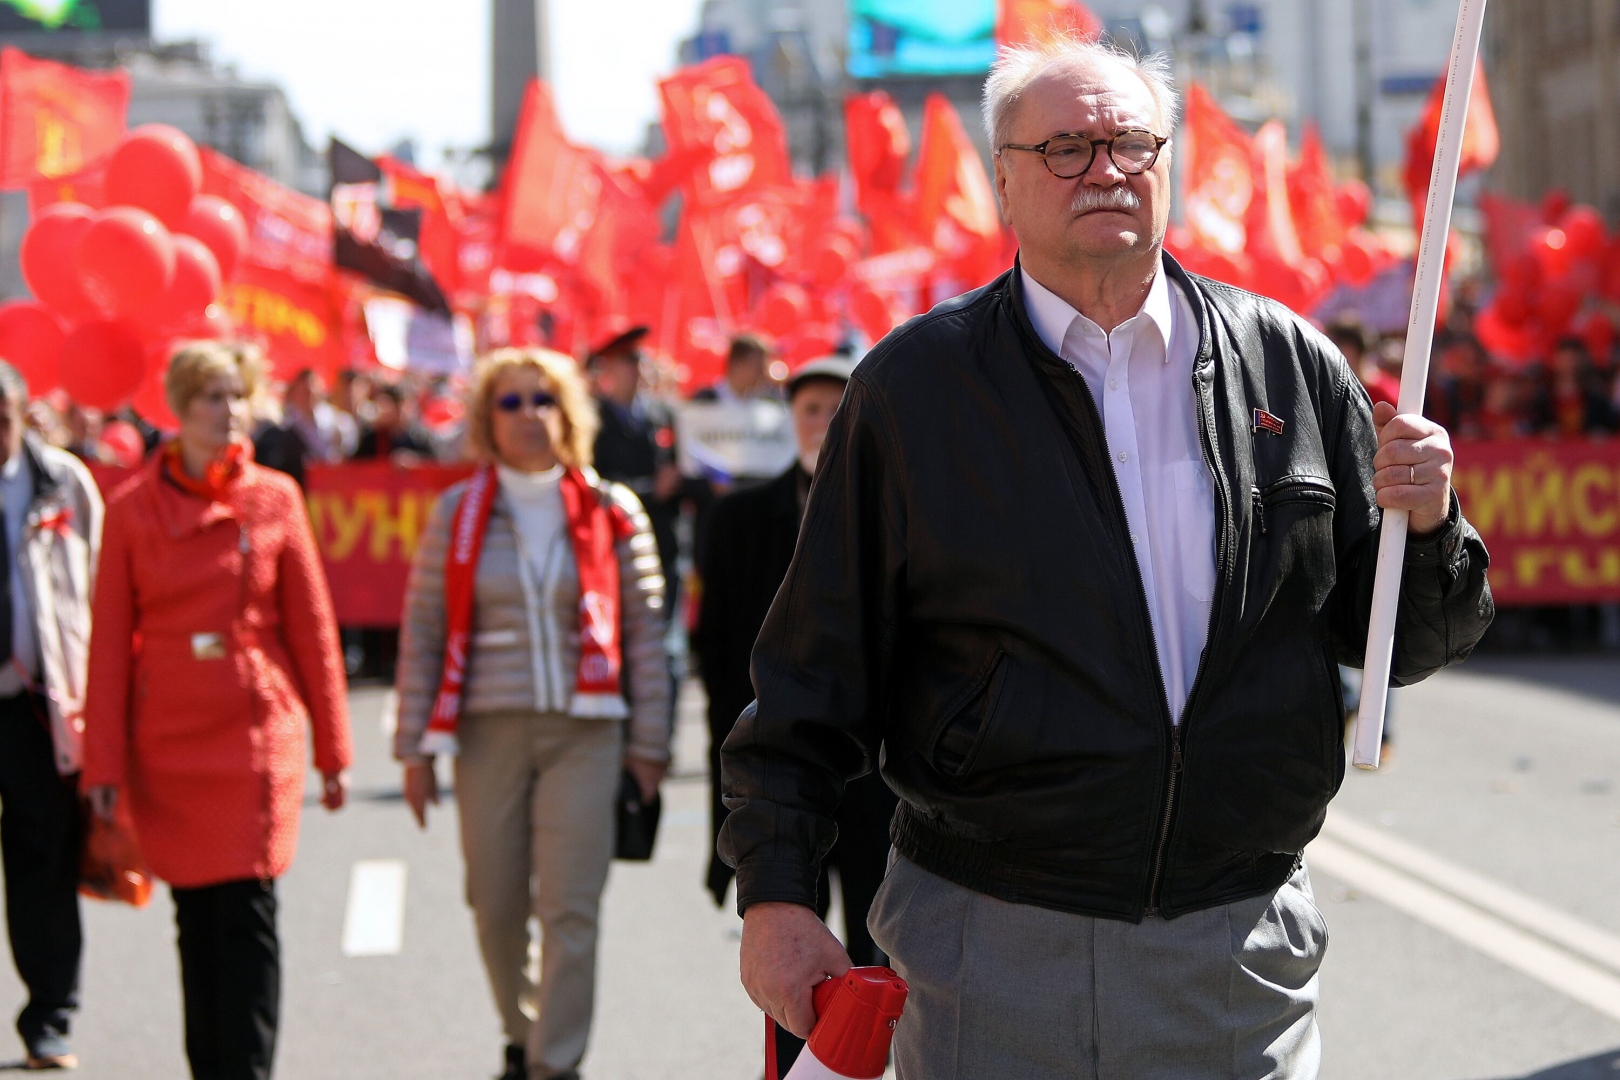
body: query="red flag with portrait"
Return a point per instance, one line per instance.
(55, 119)
(1217, 161)
(716, 108)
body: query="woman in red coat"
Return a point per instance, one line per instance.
(213, 647)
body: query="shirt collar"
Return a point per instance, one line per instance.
(13, 467)
(1053, 316)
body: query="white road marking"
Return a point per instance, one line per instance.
(374, 921)
(1527, 913)
(1484, 933)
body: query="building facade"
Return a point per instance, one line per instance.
(1555, 71)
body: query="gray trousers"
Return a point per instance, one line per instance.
(1005, 991)
(535, 792)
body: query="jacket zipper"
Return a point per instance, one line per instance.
(1260, 511)
(1153, 645)
(1173, 785)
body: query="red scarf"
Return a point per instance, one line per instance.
(217, 479)
(595, 527)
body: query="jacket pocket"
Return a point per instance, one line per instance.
(1271, 500)
(956, 745)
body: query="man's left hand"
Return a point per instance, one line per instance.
(1412, 469)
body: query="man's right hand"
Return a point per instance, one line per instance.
(786, 953)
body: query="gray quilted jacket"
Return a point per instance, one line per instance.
(525, 634)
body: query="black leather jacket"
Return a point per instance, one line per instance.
(964, 607)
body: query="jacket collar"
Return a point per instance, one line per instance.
(183, 513)
(1011, 284)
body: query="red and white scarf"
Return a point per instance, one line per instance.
(595, 526)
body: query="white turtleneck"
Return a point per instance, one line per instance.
(537, 511)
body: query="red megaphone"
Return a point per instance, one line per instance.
(855, 1019)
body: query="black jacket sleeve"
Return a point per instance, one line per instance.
(819, 665)
(1445, 601)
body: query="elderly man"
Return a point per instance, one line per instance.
(52, 518)
(1081, 552)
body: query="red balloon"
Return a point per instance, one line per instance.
(103, 362)
(126, 260)
(156, 168)
(1587, 232)
(31, 341)
(195, 286)
(48, 258)
(221, 226)
(151, 398)
(783, 307)
(1552, 251)
(124, 441)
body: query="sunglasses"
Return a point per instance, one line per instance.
(515, 402)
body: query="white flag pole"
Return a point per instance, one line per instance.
(1431, 263)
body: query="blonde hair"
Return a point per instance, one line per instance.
(562, 378)
(193, 363)
(1017, 66)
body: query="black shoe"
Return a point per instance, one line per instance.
(517, 1066)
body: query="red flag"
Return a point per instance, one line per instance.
(288, 231)
(715, 107)
(1313, 195)
(1021, 22)
(1481, 140)
(956, 210)
(55, 119)
(297, 321)
(1217, 159)
(439, 239)
(878, 147)
(552, 187)
(1281, 269)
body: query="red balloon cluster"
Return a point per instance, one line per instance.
(1553, 285)
(112, 287)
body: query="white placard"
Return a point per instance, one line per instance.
(724, 441)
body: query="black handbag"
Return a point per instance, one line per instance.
(636, 821)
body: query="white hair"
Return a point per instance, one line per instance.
(1017, 66)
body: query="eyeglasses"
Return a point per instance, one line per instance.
(1068, 156)
(515, 402)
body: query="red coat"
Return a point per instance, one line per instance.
(213, 646)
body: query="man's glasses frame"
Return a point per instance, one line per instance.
(511, 403)
(1070, 167)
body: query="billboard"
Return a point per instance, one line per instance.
(75, 16)
(921, 37)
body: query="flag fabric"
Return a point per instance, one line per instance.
(1313, 196)
(438, 236)
(956, 210)
(552, 188)
(879, 146)
(298, 321)
(715, 107)
(55, 119)
(1217, 161)
(1021, 22)
(1482, 142)
(288, 231)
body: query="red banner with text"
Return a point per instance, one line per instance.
(367, 519)
(1549, 513)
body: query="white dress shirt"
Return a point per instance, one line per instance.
(1141, 377)
(17, 493)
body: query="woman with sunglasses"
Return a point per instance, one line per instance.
(532, 651)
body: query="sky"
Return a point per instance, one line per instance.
(375, 71)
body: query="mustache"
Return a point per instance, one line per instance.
(1089, 199)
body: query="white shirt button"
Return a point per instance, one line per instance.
(1123, 456)
(1113, 384)
(1133, 538)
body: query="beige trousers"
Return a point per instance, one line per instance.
(535, 792)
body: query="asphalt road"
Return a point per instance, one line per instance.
(1470, 890)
